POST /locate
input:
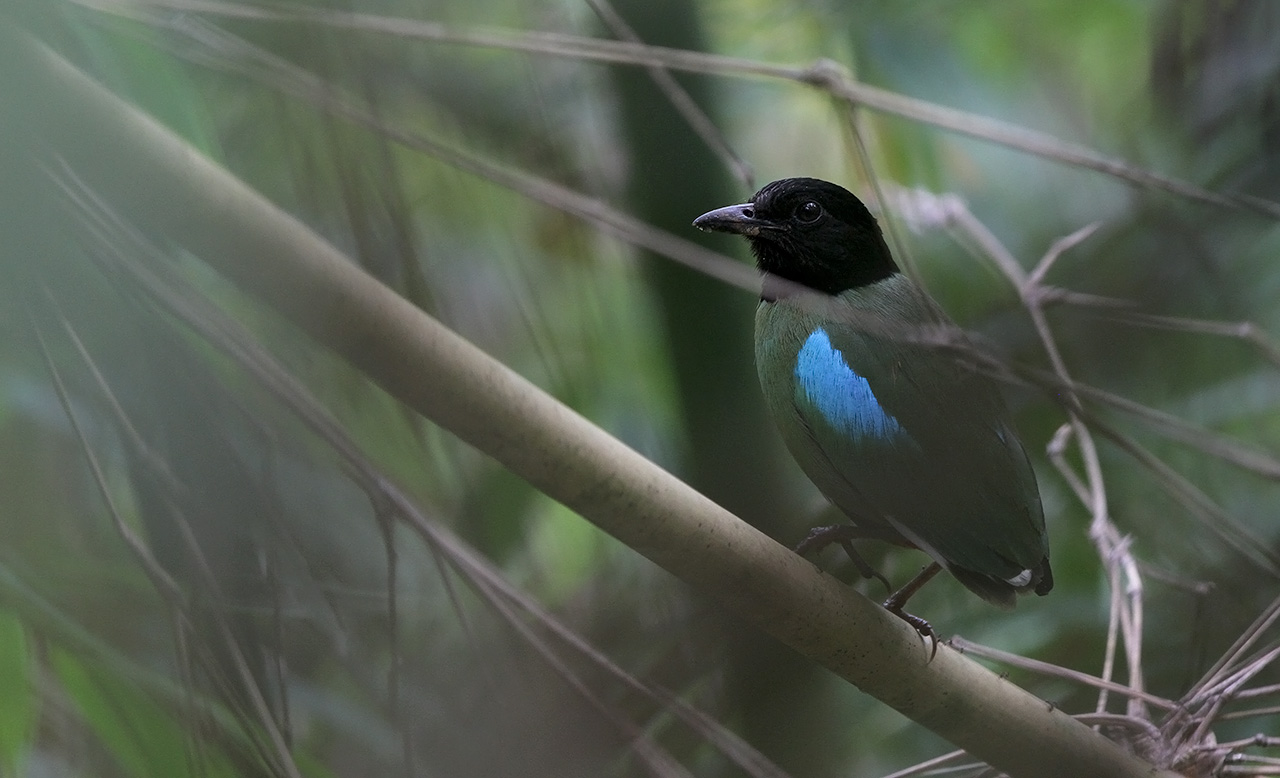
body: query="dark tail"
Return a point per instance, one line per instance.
(1001, 593)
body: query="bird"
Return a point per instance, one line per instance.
(912, 442)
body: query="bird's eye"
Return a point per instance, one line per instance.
(808, 212)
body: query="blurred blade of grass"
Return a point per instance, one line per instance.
(1199, 505)
(144, 736)
(65, 635)
(19, 705)
(144, 266)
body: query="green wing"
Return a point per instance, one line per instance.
(905, 435)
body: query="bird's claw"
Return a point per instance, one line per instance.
(921, 626)
(843, 534)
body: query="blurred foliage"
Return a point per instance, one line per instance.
(288, 656)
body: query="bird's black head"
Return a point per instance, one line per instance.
(809, 231)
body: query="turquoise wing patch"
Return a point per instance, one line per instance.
(844, 398)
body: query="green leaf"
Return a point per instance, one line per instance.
(18, 700)
(145, 737)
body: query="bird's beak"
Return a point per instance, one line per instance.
(738, 219)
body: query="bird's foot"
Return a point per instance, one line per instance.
(821, 537)
(898, 600)
(844, 535)
(924, 628)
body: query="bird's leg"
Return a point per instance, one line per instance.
(865, 570)
(898, 600)
(843, 534)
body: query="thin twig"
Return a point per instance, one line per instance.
(1118, 720)
(1246, 331)
(165, 586)
(680, 99)
(1259, 691)
(936, 766)
(1126, 611)
(1057, 671)
(1246, 641)
(823, 74)
(1059, 247)
(1196, 502)
(888, 216)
